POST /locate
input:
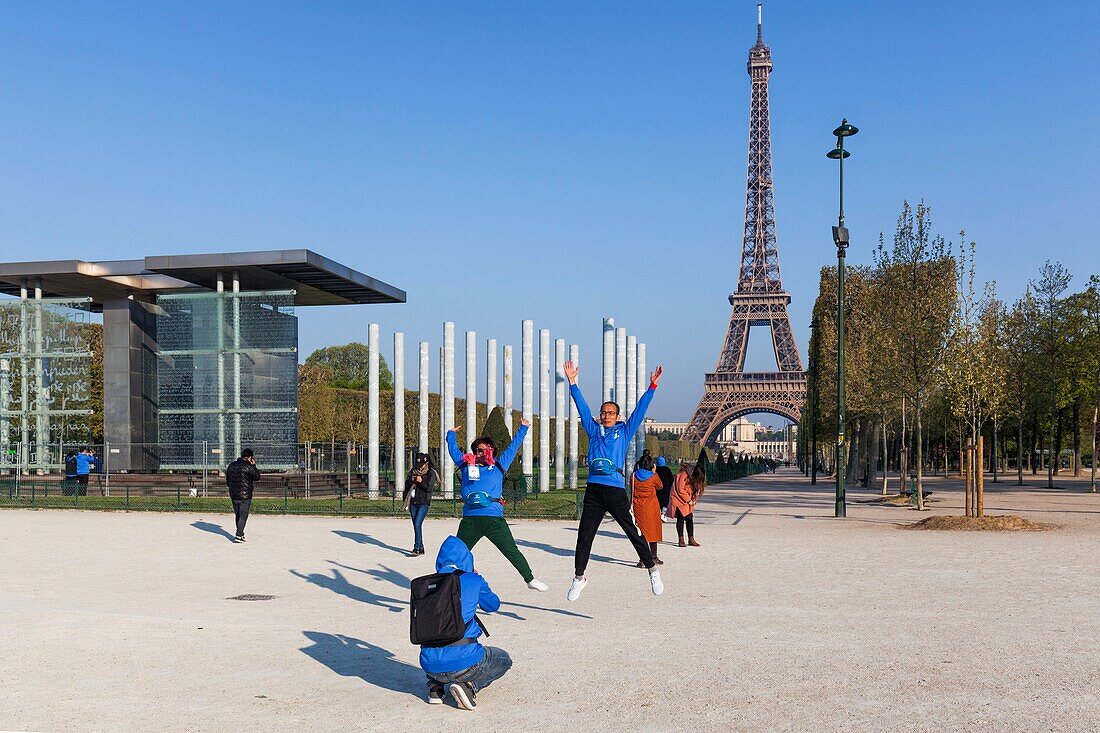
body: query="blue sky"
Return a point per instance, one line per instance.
(553, 161)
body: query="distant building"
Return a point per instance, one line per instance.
(740, 437)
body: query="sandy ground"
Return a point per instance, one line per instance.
(785, 619)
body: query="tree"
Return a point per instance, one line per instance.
(1049, 315)
(918, 280)
(349, 366)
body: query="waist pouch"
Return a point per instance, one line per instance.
(480, 500)
(603, 467)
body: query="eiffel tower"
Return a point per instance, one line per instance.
(730, 392)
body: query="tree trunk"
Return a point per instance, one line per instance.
(979, 478)
(1053, 455)
(1036, 441)
(968, 482)
(903, 454)
(919, 489)
(1020, 449)
(886, 462)
(1059, 434)
(993, 457)
(871, 456)
(1092, 462)
(1076, 427)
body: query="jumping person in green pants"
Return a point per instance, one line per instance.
(483, 497)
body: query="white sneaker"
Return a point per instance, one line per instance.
(575, 588)
(655, 582)
(538, 585)
(666, 520)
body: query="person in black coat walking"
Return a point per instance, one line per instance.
(665, 474)
(240, 475)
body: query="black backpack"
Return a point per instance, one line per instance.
(70, 465)
(436, 618)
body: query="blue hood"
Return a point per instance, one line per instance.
(661, 461)
(643, 474)
(454, 555)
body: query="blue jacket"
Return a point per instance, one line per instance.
(610, 442)
(476, 593)
(489, 479)
(85, 463)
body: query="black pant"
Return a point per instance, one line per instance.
(598, 501)
(681, 520)
(82, 480)
(240, 511)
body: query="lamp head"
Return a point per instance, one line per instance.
(845, 130)
(837, 153)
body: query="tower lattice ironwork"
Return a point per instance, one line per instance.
(730, 392)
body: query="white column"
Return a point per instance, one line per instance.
(422, 405)
(490, 377)
(620, 369)
(41, 428)
(643, 385)
(527, 398)
(448, 401)
(221, 368)
(559, 414)
(443, 458)
(372, 411)
(398, 411)
(544, 410)
(574, 423)
(5, 406)
(471, 388)
(509, 397)
(631, 393)
(237, 447)
(608, 358)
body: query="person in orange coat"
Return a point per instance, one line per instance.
(686, 490)
(647, 509)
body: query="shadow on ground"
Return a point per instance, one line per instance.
(340, 585)
(213, 529)
(366, 539)
(351, 657)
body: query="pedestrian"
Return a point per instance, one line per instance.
(665, 474)
(686, 490)
(647, 511)
(463, 668)
(70, 483)
(482, 475)
(85, 462)
(417, 497)
(240, 475)
(605, 493)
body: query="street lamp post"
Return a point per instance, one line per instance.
(840, 238)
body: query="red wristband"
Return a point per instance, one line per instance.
(653, 385)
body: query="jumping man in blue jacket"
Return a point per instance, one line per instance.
(608, 438)
(465, 666)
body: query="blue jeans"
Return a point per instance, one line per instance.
(491, 668)
(418, 512)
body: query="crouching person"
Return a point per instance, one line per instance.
(444, 622)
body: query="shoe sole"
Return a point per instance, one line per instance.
(571, 597)
(458, 693)
(435, 700)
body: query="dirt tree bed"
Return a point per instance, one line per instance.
(995, 523)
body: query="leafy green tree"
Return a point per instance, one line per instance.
(918, 280)
(350, 366)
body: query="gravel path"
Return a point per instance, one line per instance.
(785, 619)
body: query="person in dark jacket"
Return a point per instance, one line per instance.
(240, 475)
(419, 485)
(665, 474)
(465, 667)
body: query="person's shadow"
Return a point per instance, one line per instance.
(339, 584)
(563, 552)
(351, 657)
(213, 529)
(366, 539)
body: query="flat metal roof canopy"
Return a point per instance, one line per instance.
(317, 280)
